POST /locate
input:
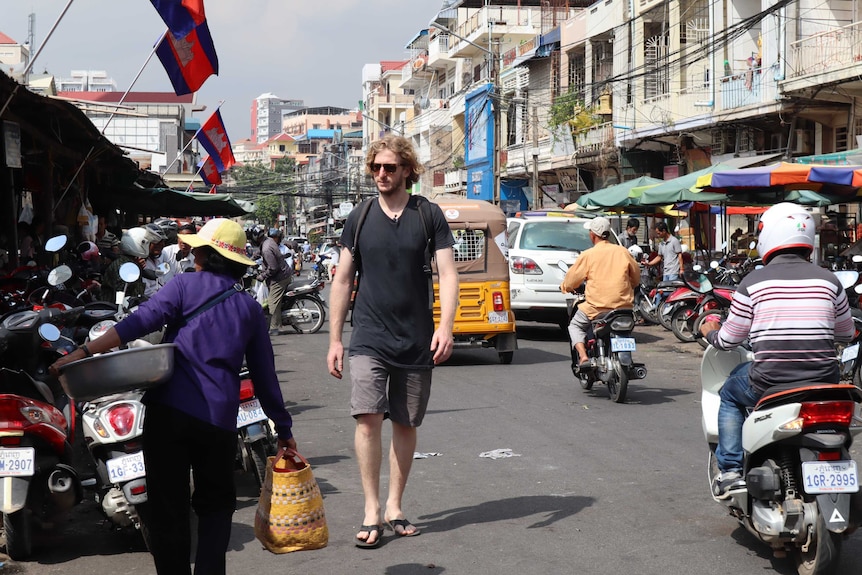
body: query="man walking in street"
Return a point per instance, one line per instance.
(669, 254)
(275, 273)
(394, 342)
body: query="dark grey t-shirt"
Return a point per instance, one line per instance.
(392, 319)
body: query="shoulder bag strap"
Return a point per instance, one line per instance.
(235, 288)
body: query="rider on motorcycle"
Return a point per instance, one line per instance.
(611, 275)
(792, 311)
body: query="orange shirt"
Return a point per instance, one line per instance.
(611, 274)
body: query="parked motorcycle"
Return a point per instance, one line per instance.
(800, 477)
(112, 427)
(302, 307)
(609, 346)
(255, 438)
(37, 424)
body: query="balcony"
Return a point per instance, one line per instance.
(455, 180)
(741, 90)
(400, 101)
(416, 73)
(828, 57)
(594, 140)
(438, 50)
(493, 23)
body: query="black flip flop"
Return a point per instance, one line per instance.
(371, 529)
(403, 524)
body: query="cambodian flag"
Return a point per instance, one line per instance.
(213, 137)
(190, 60)
(181, 16)
(209, 172)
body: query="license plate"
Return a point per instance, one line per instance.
(17, 462)
(830, 477)
(249, 412)
(126, 468)
(622, 344)
(850, 352)
(498, 317)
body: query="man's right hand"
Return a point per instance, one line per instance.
(335, 359)
(709, 326)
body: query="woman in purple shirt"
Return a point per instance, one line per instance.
(190, 421)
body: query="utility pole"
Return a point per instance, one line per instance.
(536, 195)
(496, 102)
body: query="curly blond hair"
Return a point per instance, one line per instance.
(403, 148)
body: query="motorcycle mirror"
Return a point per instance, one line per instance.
(49, 332)
(752, 245)
(130, 272)
(857, 259)
(858, 289)
(55, 244)
(59, 275)
(713, 264)
(163, 269)
(697, 268)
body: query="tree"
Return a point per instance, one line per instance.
(267, 209)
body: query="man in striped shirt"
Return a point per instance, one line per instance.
(792, 311)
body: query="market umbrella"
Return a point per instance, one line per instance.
(683, 189)
(619, 195)
(782, 178)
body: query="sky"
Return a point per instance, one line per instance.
(311, 50)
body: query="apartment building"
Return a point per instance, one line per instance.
(583, 95)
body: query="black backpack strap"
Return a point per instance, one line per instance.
(235, 288)
(364, 207)
(424, 207)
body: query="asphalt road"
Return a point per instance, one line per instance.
(593, 487)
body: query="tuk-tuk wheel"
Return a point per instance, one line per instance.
(506, 357)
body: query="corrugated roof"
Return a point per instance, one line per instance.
(388, 65)
(4, 39)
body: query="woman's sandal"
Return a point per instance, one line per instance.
(372, 529)
(403, 524)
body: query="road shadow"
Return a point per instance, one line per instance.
(522, 356)
(745, 539)
(541, 332)
(413, 569)
(651, 395)
(552, 508)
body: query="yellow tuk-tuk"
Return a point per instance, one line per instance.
(484, 317)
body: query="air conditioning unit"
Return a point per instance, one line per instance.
(604, 105)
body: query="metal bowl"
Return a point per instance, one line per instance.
(118, 371)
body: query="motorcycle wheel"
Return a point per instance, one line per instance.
(618, 382)
(18, 528)
(143, 510)
(586, 380)
(306, 315)
(681, 323)
(823, 553)
(646, 311)
(664, 312)
(257, 455)
(695, 328)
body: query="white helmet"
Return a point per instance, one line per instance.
(636, 252)
(784, 226)
(136, 243)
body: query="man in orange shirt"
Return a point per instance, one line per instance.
(611, 274)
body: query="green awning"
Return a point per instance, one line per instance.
(682, 189)
(618, 195)
(170, 203)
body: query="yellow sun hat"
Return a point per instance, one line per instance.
(224, 236)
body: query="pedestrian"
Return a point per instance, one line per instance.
(274, 272)
(394, 341)
(669, 254)
(178, 256)
(190, 423)
(630, 238)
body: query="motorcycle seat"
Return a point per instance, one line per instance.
(794, 393)
(612, 313)
(670, 284)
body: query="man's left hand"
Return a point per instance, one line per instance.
(442, 344)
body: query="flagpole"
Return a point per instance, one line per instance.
(36, 55)
(192, 181)
(192, 139)
(111, 117)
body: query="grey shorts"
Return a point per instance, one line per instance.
(408, 394)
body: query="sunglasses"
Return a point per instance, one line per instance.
(389, 168)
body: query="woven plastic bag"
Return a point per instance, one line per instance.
(290, 515)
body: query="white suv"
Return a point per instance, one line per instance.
(537, 242)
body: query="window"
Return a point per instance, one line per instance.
(549, 235)
(469, 245)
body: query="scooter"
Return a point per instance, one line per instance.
(255, 438)
(37, 423)
(801, 484)
(302, 307)
(112, 427)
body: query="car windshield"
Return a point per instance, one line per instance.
(556, 235)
